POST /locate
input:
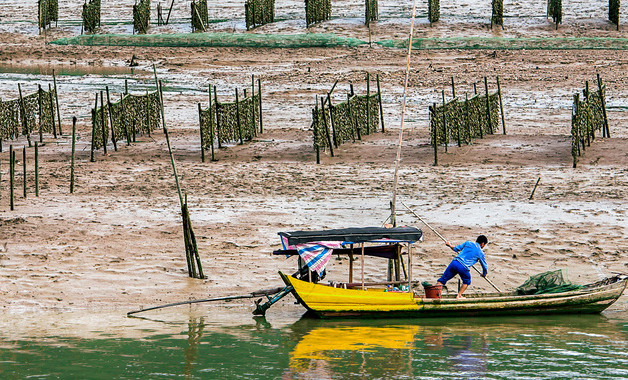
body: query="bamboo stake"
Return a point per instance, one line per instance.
(73, 152)
(445, 134)
(488, 106)
(453, 88)
(331, 146)
(147, 107)
(36, 169)
(91, 157)
(54, 78)
(381, 107)
(12, 176)
(501, 105)
(103, 126)
(52, 112)
(200, 121)
(535, 186)
(443, 239)
(41, 136)
(331, 119)
(368, 99)
(435, 137)
(393, 205)
(259, 91)
(113, 133)
(24, 171)
(124, 122)
(211, 123)
(23, 116)
(216, 104)
(238, 117)
(602, 96)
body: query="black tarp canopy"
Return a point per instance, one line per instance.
(355, 235)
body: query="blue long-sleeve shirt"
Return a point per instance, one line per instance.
(471, 253)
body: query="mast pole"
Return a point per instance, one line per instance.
(393, 204)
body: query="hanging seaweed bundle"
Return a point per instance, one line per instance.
(498, 12)
(587, 119)
(371, 11)
(25, 117)
(613, 11)
(259, 12)
(200, 17)
(433, 10)
(141, 16)
(91, 16)
(555, 10)
(48, 12)
(317, 11)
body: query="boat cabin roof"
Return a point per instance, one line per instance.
(355, 235)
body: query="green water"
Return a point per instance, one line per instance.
(202, 348)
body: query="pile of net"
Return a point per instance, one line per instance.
(548, 282)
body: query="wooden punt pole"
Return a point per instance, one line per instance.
(381, 106)
(331, 146)
(103, 126)
(501, 105)
(200, 122)
(113, 133)
(24, 169)
(488, 106)
(238, 117)
(54, 78)
(41, 135)
(259, 92)
(11, 177)
(602, 96)
(73, 153)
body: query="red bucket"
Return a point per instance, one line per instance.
(434, 291)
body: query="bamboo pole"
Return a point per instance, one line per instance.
(259, 91)
(91, 157)
(446, 135)
(24, 169)
(113, 133)
(467, 121)
(368, 101)
(54, 78)
(41, 136)
(381, 107)
(453, 88)
(331, 119)
(393, 206)
(52, 112)
(331, 147)
(147, 107)
(200, 122)
(238, 117)
(73, 153)
(211, 123)
(409, 267)
(217, 105)
(435, 137)
(103, 126)
(501, 105)
(488, 106)
(533, 190)
(124, 122)
(603, 96)
(12, 177)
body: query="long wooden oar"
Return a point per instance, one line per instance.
(227, 298)
(445, 240)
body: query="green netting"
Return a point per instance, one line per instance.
(141, 16)
(555, 10)
(461, 121)
(499, 43)
(371, 11)
(259, 12)
(548, 282)
(214, 40)
(587, 119)
(131, 115)
(91, 16)
(613, 11)
(200, 17)
(358, 116)
(317, 11)
(498, 12)
(433, 10)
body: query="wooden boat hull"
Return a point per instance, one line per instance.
(326, 301)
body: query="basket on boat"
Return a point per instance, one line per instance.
(433, 291)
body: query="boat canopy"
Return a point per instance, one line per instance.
(355, 235)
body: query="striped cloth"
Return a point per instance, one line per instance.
(316, 255)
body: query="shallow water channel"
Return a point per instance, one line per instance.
(230, 344)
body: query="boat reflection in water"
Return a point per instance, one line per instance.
(540, 347)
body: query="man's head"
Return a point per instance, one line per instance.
(482, 241)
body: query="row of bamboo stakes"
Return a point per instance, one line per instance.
(488, 110)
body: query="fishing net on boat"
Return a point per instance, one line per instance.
(548, 282)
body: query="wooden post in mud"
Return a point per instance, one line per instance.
(54, 78)
(200, 121)
(211, 123)
(381, 107)
(354, 118)
(368, 100)
(113, 133)
(318, 149)
(259, 92)
(11, 177)
(238, 117)
(331, 119)
(123, 121)
(331, 145)
(147, 107)
(602, 91)
(126, 87)
(91, 156)
(475, 88)
(52, 112)
(355, 129)
(24, 169)
(445, 134)
(435, 136)
(453, 88)
(36, 169)
(41, 136)
(73, 152)
(217, 105)
(103, 125)
(534, 189)
(501, 105)
(488, 106)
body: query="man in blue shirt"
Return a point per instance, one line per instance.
(470, 253)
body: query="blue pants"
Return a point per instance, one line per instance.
(456, 268)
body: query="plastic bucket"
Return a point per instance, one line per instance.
(434, 291)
